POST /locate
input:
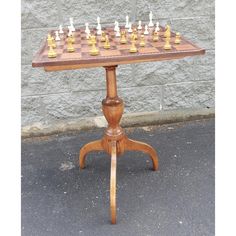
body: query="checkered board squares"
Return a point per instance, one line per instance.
(117, 53)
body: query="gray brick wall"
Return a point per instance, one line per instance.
(186, 83)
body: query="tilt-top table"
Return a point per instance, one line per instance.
(114, 141)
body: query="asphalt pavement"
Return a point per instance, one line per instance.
(60, 199)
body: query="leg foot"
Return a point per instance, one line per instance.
(132, 145)
(113, 183)
(89, 147)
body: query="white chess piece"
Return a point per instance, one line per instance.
(98, 21)
(87, 30)
(99, 31)
(88, 35)
(60, 29)
(118, 32)
(140, 25)
(157, 27)
(57, 36)
(150, 20)
(72, 24)
(116, 28)
(127, 22)
(130, 28)
(146, 30)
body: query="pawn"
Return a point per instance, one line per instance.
(87, 30)
(107, 43)
(118, 32)
(53, 43)
(140, 25)
(51, 52)
(167, 45)
(130, 28)
(155, 37)
(157, 29)
(99, 31)
(146, 30)
(103, 38)
(135, 34)
(93, 51)
(57, 36)
(142, 41)
(60, 30)
(133, 48)
(70, 47)
(177, 38)
(123, 38)
(89, 40)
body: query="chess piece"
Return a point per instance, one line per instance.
(135, 34)
(60, 29)
(142, 41)
(116, 26)
(157, 29)
(123, 38)
(88, 35)
(51, 52)
(53, 42)
(70, 47)
(130, 28)
(118, 32)
(99, 31)
(94, 50)
(57, 36)
(167, 45)
(72, 24)
(140, 25)
(103, 38)
(98, 25)
(87, 30)
(167, 33)
(133, 48)
(177, 38)
(89, 40)
(69, 31)
(150, 20)
(127, 22)
(107, 43)
(155, 37)
(146, 30)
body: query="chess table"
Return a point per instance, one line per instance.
(114, 142)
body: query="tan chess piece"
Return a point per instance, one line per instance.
(70, 47)
(107, 43)
(135, 34)
(103, 37)
(142, 41)
(155, 37)
(177, 38)
(94, 50)
(133, 48)
(123, 38)
(167, 45)
(51, 52)
(167, 33)
(89, 40)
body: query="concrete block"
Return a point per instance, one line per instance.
(186, 95)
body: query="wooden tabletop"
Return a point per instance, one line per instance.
(117, 54)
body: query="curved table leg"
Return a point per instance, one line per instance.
(89, 147)
(113, 183)
(133, 145)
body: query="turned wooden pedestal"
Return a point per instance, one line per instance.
(114, 142)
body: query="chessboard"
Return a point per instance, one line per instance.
(117, 54)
